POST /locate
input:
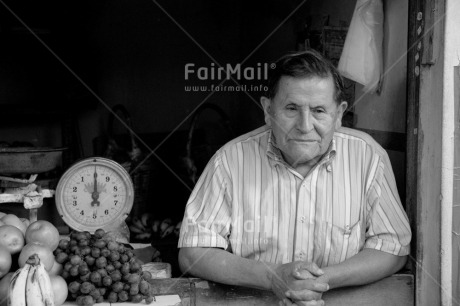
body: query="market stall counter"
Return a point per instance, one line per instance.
(397, 289)
(394, 290)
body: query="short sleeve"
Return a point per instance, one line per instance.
(387, 225)
(207, 214)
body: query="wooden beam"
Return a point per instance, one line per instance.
(413, 116)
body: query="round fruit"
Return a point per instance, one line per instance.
(13, 220)
(99, 233)
(11, 238)
(95, 277)
(117, 287)
(83, 270)
(123, 296)
(5, 261)
(95, 294)
(85, 300)
(44, 253)
(116, 276)
(74, 287)
(113, 297)
(74, 270)
(134, 278)
(4, 286)
(90, 260)
(85, 277)
(86, 287)
(63, 243)
(75, 259)
(134, 289)
(56, 269)
(112, 245)
(101, 262)
(148, 299)
(43, 232)
(61, 257)
(137, 298)
(107, 281)
(59, 289)
(146, 275)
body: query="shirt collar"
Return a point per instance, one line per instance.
(272, 149)
(275, 154)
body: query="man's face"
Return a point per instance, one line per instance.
(303, 116)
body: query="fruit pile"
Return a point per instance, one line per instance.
(98, 268)
(19, 240)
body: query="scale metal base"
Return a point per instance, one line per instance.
(24, 191)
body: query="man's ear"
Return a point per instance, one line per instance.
(266, 105)
(340, 111)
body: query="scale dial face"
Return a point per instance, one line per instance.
(94, 193)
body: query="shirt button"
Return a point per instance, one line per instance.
(329, 168)
(302, 219)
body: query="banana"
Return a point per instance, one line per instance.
(138, 223)
(177, 228)
(156, 226)
(17, 288)
(46, 288)
(145, 218)
(135, 229)
(168, 231)
(165, 224)
(33, 293)
(143, 236)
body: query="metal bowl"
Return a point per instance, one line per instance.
(29, 160)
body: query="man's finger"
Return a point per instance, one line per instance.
(312, 285)
(310, 267)
(303, 295)
(311, 303)
(303, 275)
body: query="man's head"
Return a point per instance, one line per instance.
(304, 106)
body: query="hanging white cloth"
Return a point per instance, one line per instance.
(361, 59)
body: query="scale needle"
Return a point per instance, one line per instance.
(95, 194)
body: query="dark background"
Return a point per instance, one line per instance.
(102, 53)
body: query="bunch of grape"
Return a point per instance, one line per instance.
(97, 268)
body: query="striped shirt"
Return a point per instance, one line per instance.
(251, 202)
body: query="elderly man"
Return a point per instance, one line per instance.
(300, 205)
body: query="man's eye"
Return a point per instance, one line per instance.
(318, 110)
(291, 108)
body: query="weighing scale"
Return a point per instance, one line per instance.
(95, 193)
(19, 168)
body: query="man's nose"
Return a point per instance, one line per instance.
(305, 122)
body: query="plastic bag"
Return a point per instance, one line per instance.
(361, 59)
